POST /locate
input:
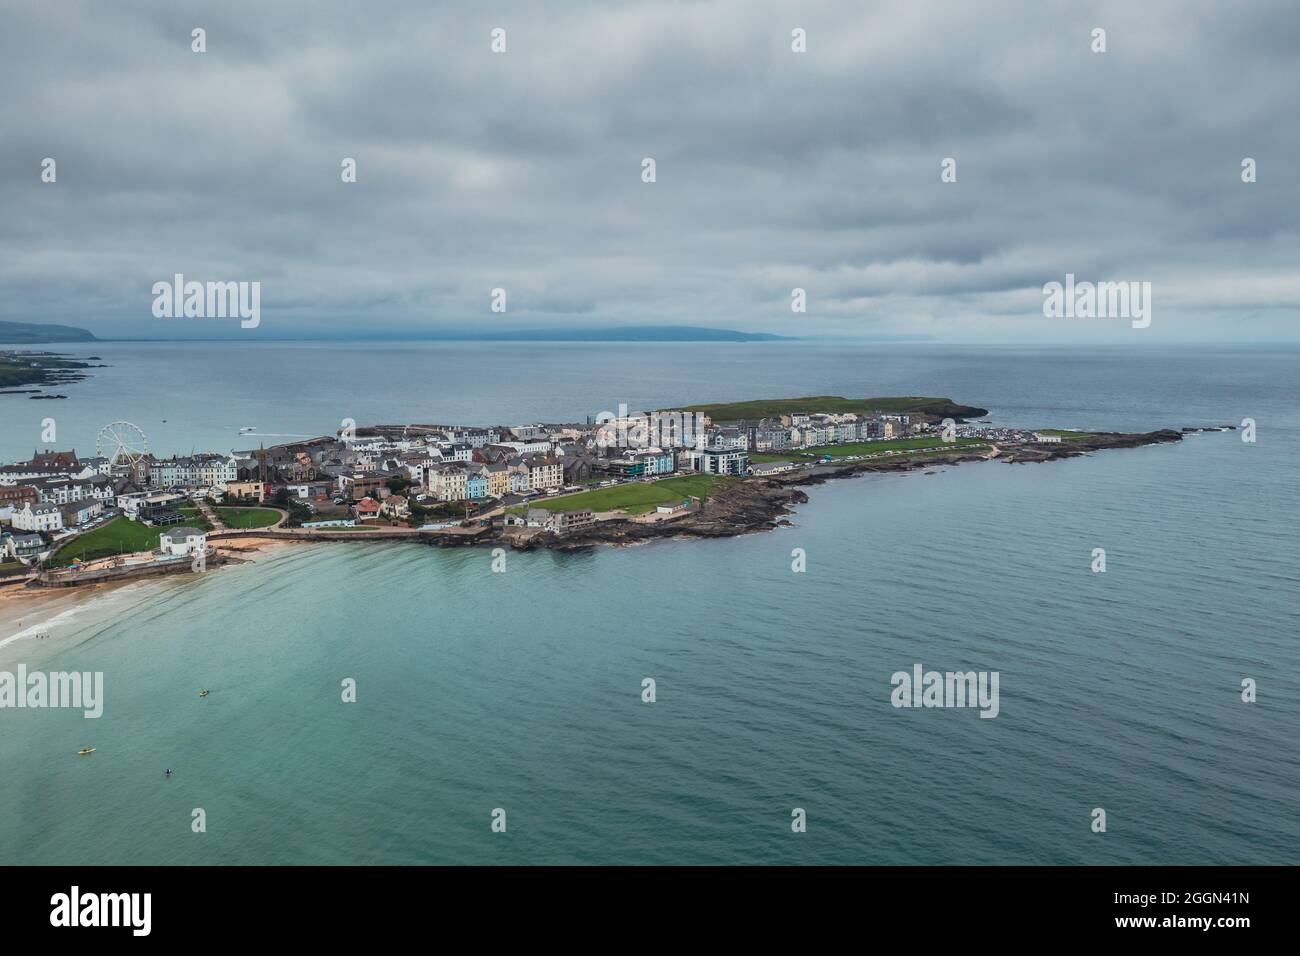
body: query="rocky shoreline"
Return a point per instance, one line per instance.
(761, 504)
(18, 369)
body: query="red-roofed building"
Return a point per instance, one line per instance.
(367, 509)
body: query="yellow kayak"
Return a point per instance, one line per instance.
(87, 750)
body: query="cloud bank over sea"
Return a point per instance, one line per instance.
(774, 170)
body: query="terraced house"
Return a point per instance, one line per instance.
(214, 470)
(476, 482)
(174, 473)
(544, 471)
(63, 491)
(498, 476)
(448, 482)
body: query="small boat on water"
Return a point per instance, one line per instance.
(203, 693)
(247, 429)
(85, 750)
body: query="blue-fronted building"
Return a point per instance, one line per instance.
(476, 486)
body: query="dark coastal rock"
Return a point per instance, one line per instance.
(741, 508)
(1082, 446)
(39, 368)
(937, 411)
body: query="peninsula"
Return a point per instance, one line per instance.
(699, 471)
(32, 333)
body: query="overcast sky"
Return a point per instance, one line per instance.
(522, 170)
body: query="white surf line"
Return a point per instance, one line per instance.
(66, 618)
(42, 627)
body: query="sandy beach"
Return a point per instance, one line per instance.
(32, 613)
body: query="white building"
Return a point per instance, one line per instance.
(728, 438)
(536, 446)
(38, 517)
(62, 491)
(447, 483)
(23, 472)
(459, 451)
(214, 471)
(94, 466)
(719, 461)
(180, 542)
(518, 477)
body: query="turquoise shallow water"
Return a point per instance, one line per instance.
(522, 690)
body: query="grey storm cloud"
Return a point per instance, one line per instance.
(775, 170)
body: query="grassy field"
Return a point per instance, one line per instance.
(767, 408)
(1065, 434)
(969, 445)
(634, 498)
(893, 444)
(119, 536)
(863, 448)
(194, 518)
(248, 517)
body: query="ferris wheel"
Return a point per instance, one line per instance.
(123, 444)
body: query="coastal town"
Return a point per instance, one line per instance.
(68, 519)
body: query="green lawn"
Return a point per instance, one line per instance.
(119, 536)
(865, 448)
(634, 498)
(1065, 434)
(893, 444)
(971, 445)
(768, 408)
(194, 518)
(248, 517)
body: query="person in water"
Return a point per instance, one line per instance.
(167, 772)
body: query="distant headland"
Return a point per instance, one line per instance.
(34, 333)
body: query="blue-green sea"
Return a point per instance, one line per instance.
(522, 690)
